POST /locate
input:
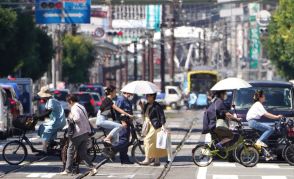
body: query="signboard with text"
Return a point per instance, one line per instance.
(63, 11)
(254, 39)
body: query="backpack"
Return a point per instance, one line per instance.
(209, 118)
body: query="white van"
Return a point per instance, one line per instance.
(3, 114)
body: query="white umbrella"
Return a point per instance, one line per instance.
(230, 84)
(140, 87)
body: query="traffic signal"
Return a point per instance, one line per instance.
(51, 5)
(263, 30)
(114, 33)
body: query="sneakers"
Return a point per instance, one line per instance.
(64, 172)
(269, 157)
(260, 143)
(127, 162)
(219, 146)
(92, 172)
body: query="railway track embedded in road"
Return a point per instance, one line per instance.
(166, 169)
(23, 166)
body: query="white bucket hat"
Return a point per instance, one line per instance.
(45, 92)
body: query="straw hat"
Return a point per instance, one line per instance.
(44, 92)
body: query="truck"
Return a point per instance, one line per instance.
(172, 97)
(25, 96)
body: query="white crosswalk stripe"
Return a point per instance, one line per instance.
(274, 177)
(225, 177)
(223, 164)
(41, 175)
(267, 165)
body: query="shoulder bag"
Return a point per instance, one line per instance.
(71, 128)
(221, 123)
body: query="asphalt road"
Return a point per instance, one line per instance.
(186, 133)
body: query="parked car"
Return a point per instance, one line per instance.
(96, 88)
(15, 106)
(98, 101)
(87, 100)
(25, 92)
(4, 114)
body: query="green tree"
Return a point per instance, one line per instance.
(23, 47)
(280, 45)
(8, 20)
(78, 57)
(38, 62)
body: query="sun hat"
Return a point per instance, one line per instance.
(44, 92)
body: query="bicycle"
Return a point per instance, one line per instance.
(203, 154)
(283, 143)
(138, 151)
(94, 148)
(15, 152)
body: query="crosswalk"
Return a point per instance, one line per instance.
(203, 172)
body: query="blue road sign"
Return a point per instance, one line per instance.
(63, 11)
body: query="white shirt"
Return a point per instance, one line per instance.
(256, 111)
(79, 114)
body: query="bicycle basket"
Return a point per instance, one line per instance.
(291, 132)
(290, 129)
(24, 122)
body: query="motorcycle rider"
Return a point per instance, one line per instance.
(254, 114)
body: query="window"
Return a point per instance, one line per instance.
(275, 97)
(172, 91)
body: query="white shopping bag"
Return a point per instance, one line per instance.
(162, 140)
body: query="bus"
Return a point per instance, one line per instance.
(199, 82)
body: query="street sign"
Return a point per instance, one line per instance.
(254, 40)
(63, 11)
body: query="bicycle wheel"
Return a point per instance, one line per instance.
(63, 153)
(138, 152)
(236, 153)
(249, 156)
(288, 154)
(14, 152)
(202, 155)
(91, 150)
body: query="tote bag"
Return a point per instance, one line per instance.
(162, 140)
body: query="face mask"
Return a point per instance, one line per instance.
(225, 97)
(130, 98)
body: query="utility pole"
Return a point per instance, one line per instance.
(126, 65)
(204, 46)
(162, 49)
(144, 61)
(151, 67)
(172, 62)
(135, 61)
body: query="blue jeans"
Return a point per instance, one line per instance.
(115, 127)
(267, 130)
